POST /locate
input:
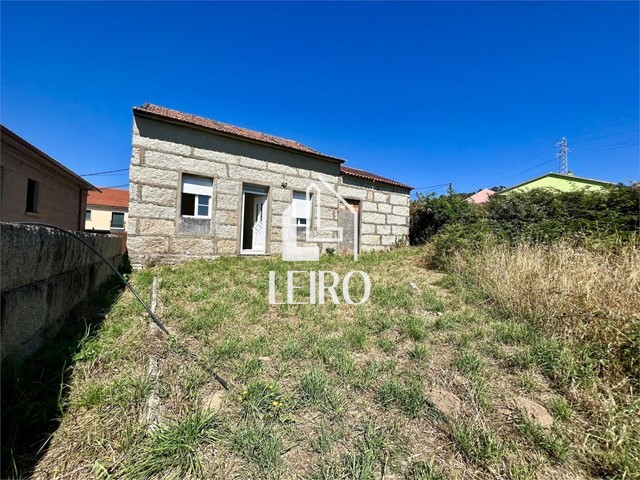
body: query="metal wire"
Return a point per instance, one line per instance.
(155, 319)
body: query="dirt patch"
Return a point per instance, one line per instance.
(211, 400)
(446, 402)
(533, 411)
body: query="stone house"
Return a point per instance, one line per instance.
(201, 188)
(36, 188)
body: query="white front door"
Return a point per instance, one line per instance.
(259, 230)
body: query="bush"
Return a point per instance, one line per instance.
(457, 237)
(608, 217)
(430, 213)
(547, 214)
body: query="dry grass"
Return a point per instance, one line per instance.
(586, 296)
(590, 300)
(413, 384)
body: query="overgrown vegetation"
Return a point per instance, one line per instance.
(419, 382)
(413, 384)
(538, 215)
(566, 264)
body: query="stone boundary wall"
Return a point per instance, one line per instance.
(163, 152)
(46, 273)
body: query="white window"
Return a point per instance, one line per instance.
(196, 196)
(301, 209)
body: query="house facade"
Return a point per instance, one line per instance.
(107, 210)
(36, 188)
(559, 181)
(201, 188)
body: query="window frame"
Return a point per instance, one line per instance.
(87, 215)
(112, 227)
(32, 196)
(196, 198)
(309, 219)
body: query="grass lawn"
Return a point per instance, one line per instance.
(422, 383)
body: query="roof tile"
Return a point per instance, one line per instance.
(221, 127)
(230, 129)
(356, 172)
(109, 197)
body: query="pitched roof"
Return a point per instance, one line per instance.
(572, 178)
(225, 128)
(481, 197)
(356, 172)
(43, 157)
(109, 197)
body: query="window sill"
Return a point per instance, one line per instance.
(32, 214)
(196, 217)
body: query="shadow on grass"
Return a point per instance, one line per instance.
(34, 390)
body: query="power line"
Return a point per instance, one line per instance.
(606, 148)
(103, 173)
(116, 186)
(432, 186)
(581, 152)
(635, 130)
(519, 164)
(586, 134)
(527, 170)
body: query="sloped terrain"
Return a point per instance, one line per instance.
(425, 380)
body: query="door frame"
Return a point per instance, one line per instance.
(356, 241)
(255, 189)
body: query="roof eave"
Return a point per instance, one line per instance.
(566, 177)
(377, 180)
(51, 161)
(163, 118)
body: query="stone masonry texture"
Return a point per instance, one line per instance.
(164, 151)
(45, 274)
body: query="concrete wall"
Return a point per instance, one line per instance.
(162, 152)
(61, 201)
(45, 273)
(101, 217)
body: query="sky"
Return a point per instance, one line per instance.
(476, 94)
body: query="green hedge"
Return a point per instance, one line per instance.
(545, 214)
(535, 215)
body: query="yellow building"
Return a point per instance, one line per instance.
(558, 181)
(108, 210)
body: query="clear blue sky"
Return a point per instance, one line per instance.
(425, 93)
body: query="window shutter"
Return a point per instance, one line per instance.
(301, 207)
(197, 185)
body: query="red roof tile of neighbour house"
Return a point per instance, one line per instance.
(225, 128)
(356, 172)
(109, 197)
(481, 197)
